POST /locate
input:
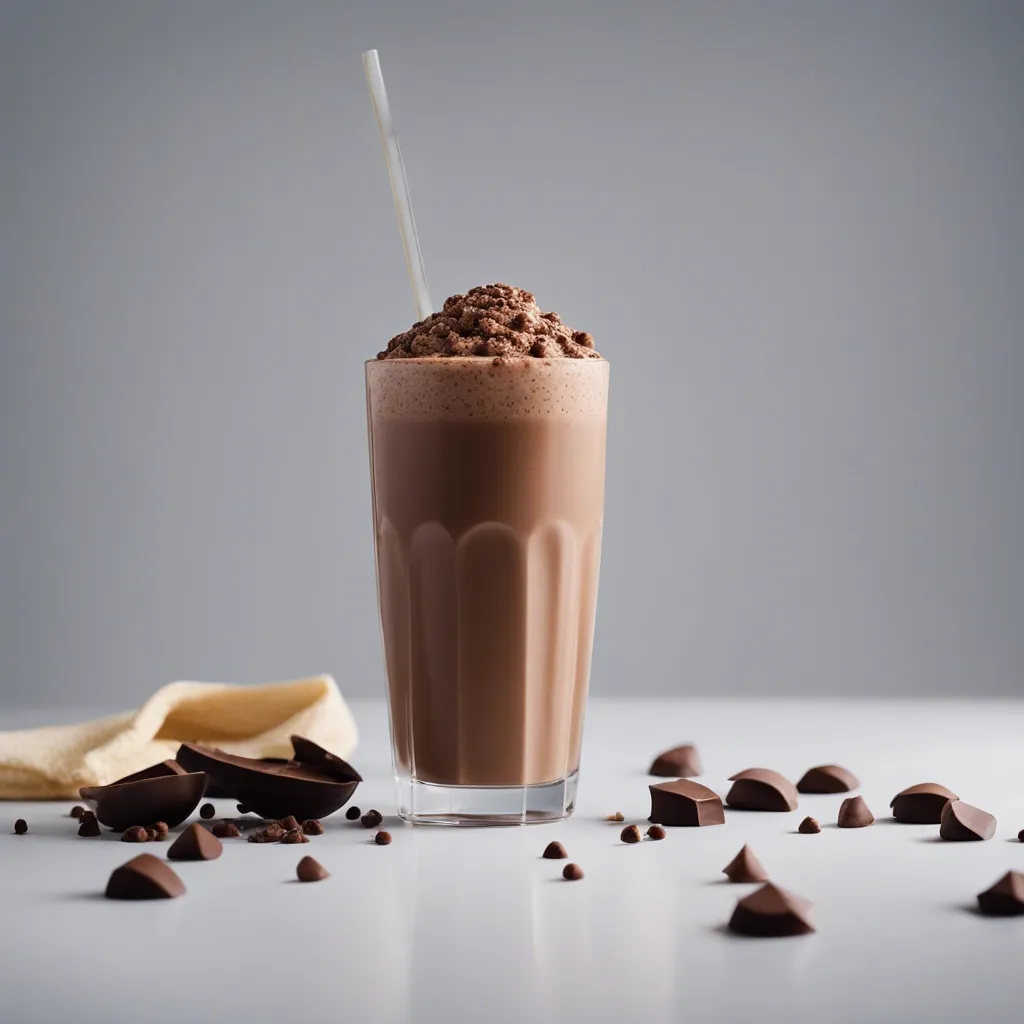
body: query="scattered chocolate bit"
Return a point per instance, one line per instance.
(313, 827)
(631, 834)
(855, 813)
(761, 789)
(963, 823)
(171, 797)
(1020, 836)
(554, 851)
(656, 832)
(20, 827)
(677, 763)
(135, 834)
(195, 843)
(77, 811)
(809, 827)
(372, 818)
(617, 816)
(382, 838)
(161, 828)
(152, 835)
(352, 813)
(572, 872)
(89, 826)
(771, 912)
(921, 804)
(226, 830)
(288, 822)
(294, 835)
(827, 778)
(745, 867)
(144, 878)
(1005, 898)
(311, 870)
(265, 836)
(685, 802)
(207, 811)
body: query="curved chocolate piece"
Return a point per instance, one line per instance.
(215, 791)
(144, 878)
(677, 763)
(827, 778)
(771, 912)
(963, 823)
(154, 771)
(311, 786)
(685, 802)
(855, 813)
(761, 789)
(168, 798)
(745, 867)
(921, 804)
(1005, 898)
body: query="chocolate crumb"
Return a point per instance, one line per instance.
(809, 826)
(20, 827)
(226, 830)
(207, 811)
(382, 838)
(77, 811)
(294, 835)
(554, 851)
(630, 834)
(161, 829)
(372, 818)
(312, 827)
(288, 822)
(617, 816)
(656, 832)
(352, 813)
(572, 872)
(135, 834)
(273, 833)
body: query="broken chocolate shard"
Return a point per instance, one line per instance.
(921, 804)
(827, 778)
(170, 797)
(686, 803)
(195, 843)
(1005, 898)
(962, 823)
(761, 789)
(745, 867)
(809, 827)
(89, 827)
(144, 878)
(855, 813)
(311, 870)
(678, 763)
(554, 851)
(771, 912)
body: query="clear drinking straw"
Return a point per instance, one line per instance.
(399, 186)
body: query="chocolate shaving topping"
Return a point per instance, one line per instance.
(1005, 898)
(761, 789)
(745, 867)
(144, 878)
(809, 827)
(827, 778)
(855, 813)
(679, 762)
(686, 803)
(963, 823)
(311, 870)
(554, 851)
(195, 843)
(771, 912)
(921, 804)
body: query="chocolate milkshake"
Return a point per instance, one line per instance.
(487, 440)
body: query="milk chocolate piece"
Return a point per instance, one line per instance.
(572, 872)
(554, 851)
(170, 797)
(89, 827)
(771, 912)
(195, 843)
(313, 784)
(685, 802)
(311, 870)
(761, 789)
(631, 834)
(855, 813)
(288, 822)
(144, 878)
(656, 832)
(1005, 898)
(382, 838)
(152, 835)
(226, 830)
(20, 827)
(921, 804)
(809, 827)
(827, 778)
(161, 828)
(135, 834)
(962, 823)
(677, 763)
(312, 827)
(745, 867)
(294, 835)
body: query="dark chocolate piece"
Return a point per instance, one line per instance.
(226, 830)
(685, 802)
(371, 819)
(294, 835)
(1020, 836)
(161, 828)
(631, 834)
(288, 822)
(656, 832)
(1005, 898)
(89, 827)
(962, 823)
(921, 804)
(154, 771)
(827, 778)
(855, 813)
(745, 867)
(20, 827)
(144, 878)
(678, 763)
(195, 843)
(311, 870)
(215, 790)
(616, 816)
(207, 811)
(771, 912)
(135, 834)
(152, 835)
(572, 872)
(313, 827)
(554, 851)
(761, 789)
(809, 827)
(382, 838)
(313, 784)
(352, 813)
(171, 798)
(77, 811)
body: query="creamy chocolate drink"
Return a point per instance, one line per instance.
(487, 443)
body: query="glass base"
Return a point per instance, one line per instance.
(426, 803)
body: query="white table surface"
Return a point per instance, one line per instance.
(471, 925)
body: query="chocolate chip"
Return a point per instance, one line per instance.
(1005, 898)
(963, 823)
(207, 811)
(294, 835)
(288, 822)
(135, 834)
(771, 912)
(382, 838)
(161, 829)
(352, 813)
(311, 870)
(152, 835)
(685, 802)
(372, 818)
(631, 834)
(554, 851)
(572, 872)
(226, 830)
(617, 816)
(144, 878)
(921, 804)
(89, 826)
(855, 813)
(761, 789)
(20, 827)
(656, 832)
(745, 867)
(313, 827)
(677, 763)
(827, 778)
(195, 843)
(809, 827)
(77, 811)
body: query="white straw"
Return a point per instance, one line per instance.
(399, 186)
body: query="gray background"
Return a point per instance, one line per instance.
(796, 229)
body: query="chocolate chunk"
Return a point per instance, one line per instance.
(685, 802)
(554, 851)
(962, 823)
(161, 828)
(135, 834)
(311, 870)
(631, 834)
(677, 763)
(226, 830)
(617, 816)
(195, 843)
(266, 836)
(656, 832)
(921, 804)
(20, 827)
(827, 778)
(144, 878)
(572, 872)
(855, 813)
(761, 789)
(1005, 898)
(312, 827)
(89, 827)
(809, 827)
(313, 784)
(745, 867)
(382, 838)
(207, 811)
(152, 835)
(77, 811)
(288, 822)
(170, 797)
(771, 912)
(294, 835)
(352, 813)
(371, 819)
